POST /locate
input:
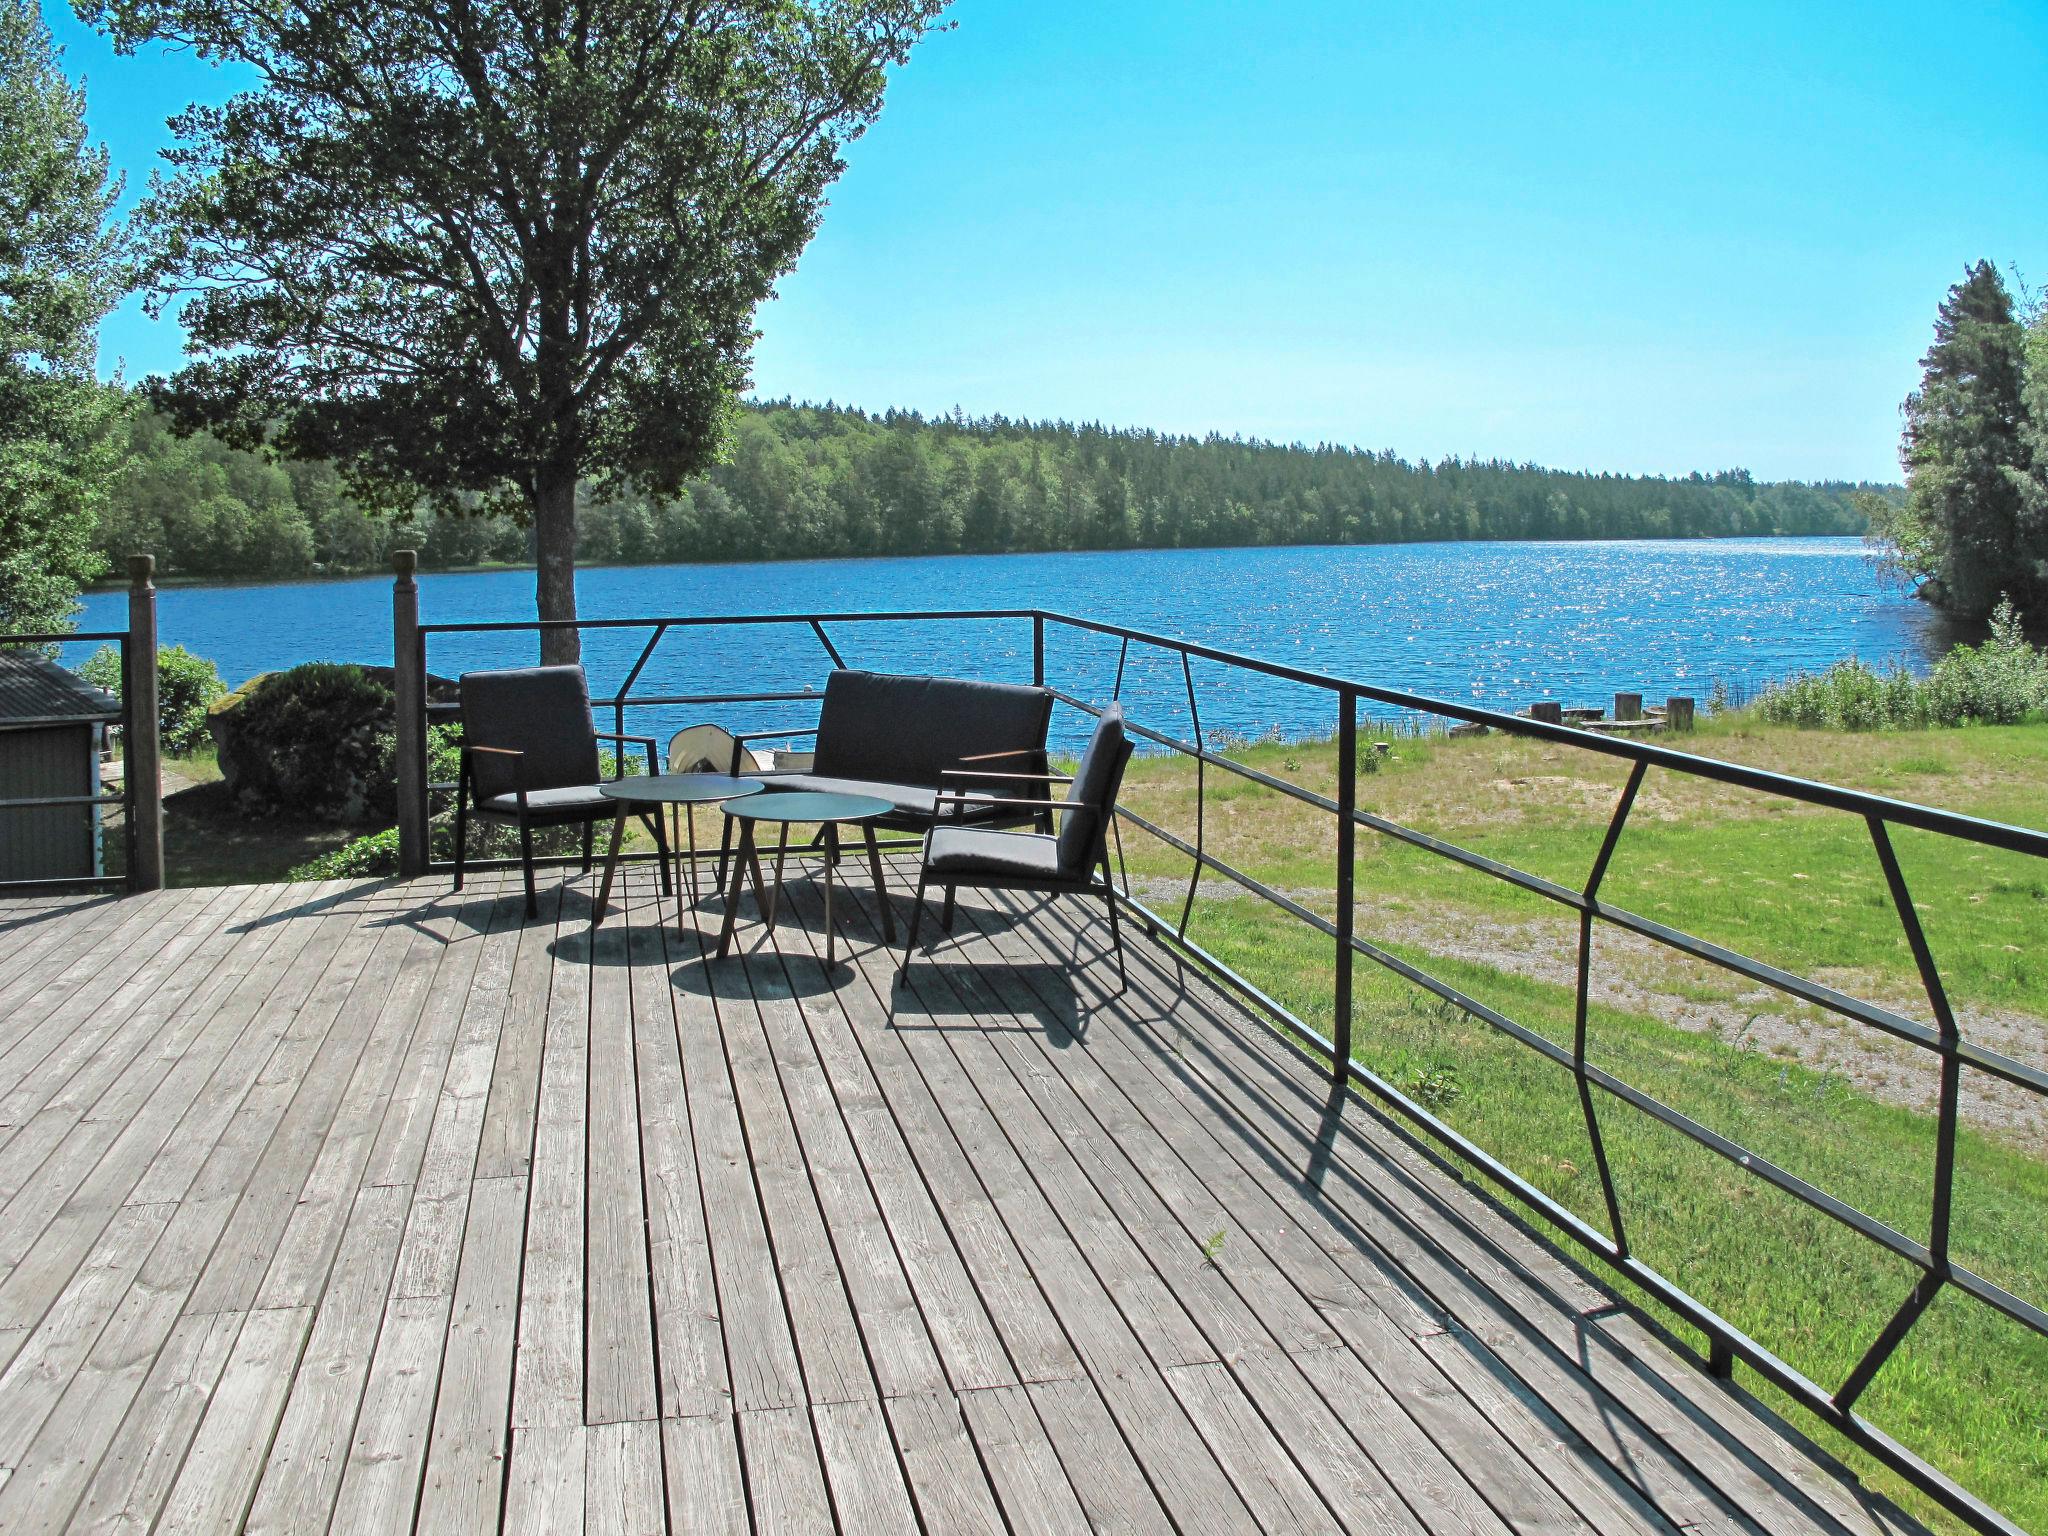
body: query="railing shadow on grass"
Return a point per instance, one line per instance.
(1599, 1091)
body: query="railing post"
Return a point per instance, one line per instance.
(1347, 870)
(142, 751)
(409, 683)
(1038, 650)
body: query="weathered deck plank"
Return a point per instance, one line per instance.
(375, 1208)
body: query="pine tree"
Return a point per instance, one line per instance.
(1963, 531)
(61, 270)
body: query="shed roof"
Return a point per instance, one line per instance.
(34, 690)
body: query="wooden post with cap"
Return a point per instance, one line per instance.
(409, 685)
(142, 751)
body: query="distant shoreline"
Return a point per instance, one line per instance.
(113, 583)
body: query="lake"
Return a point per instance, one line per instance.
(1497, 624)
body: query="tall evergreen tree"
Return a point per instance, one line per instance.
(61, 270)
(1962, 531)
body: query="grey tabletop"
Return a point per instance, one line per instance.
(809, 805)
(681, 788)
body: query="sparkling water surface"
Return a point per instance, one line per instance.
(1494, 624)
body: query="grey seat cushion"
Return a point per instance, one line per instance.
(561, 801)
(895, 729)
(967, 853)
(909, 801)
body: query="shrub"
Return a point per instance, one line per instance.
(186, 686)
(314, 741)
(2000, 682)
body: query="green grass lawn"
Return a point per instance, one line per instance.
(1797, 887)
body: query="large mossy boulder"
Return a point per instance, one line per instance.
(313, 742)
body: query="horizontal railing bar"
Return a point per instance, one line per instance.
(1899, 812)
(1800, 1189)
(1894, 1024)
(42, 801)
(702, 620)
(1210, 861)
(54, 639)
(2014, 839)
(1242, 770)
(1787, 1378)
(1884, 1019)
(35, 722)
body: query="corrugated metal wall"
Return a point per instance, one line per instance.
(51, 842)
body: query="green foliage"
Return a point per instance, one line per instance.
(494, 249)
(61, 270)
(373, 856)
(314, 741)
(186, 687)
(1974, 523)
(2000, 682)
(810, 482)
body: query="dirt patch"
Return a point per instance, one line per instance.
(1635, 975)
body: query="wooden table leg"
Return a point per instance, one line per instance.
(831, 858)
(740, 865)
(881, 890)
(611, 864)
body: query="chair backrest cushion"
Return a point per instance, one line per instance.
(905, 730)
(543, 712)
(1095, 785)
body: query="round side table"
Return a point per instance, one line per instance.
(830, 812)
(662, 794)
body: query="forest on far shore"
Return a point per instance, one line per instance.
(807, 482)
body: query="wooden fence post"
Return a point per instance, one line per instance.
(409, 684)
(142, 751)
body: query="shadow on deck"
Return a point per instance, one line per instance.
(372, 1208)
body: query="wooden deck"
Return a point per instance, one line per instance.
(370, 1208)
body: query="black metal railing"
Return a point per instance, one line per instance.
(1933, 1262)
(135, 715)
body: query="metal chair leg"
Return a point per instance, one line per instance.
(946, 912)
(461, 833)
(589, 832)
(910, 944)
(1116, 936)
(526, 861)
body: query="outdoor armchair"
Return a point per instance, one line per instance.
(530, 759)
(1061, 862)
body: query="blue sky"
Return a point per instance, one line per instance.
(1643, 238)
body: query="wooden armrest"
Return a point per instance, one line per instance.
(989, 757)
(978, 801)
(494, 751)
(1025, 778)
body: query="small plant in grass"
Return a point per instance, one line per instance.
(1435, 1087)
(186, 685)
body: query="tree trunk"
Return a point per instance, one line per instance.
(554, 539)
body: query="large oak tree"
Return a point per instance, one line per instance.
(478, 251)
